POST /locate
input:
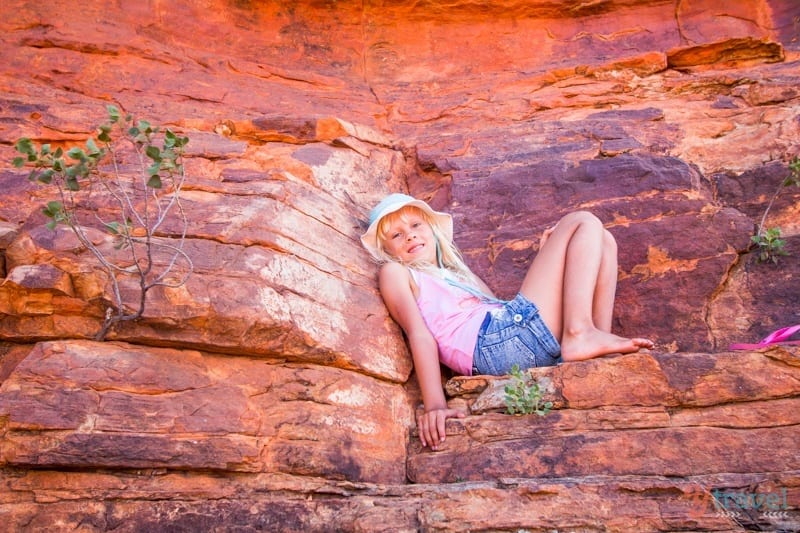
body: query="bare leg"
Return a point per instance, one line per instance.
(606, 289)
(572, 280)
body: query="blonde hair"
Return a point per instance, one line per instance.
(447, 253)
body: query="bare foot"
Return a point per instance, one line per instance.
(595, 343)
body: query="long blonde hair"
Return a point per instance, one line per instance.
(447, 254)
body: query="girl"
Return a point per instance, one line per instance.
(562, 311)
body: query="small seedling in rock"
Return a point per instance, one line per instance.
(767, 241)
(523, 395)
(769, 244)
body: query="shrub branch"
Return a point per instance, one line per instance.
(140, 202)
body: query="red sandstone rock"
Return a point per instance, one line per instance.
(102, 405)
(635, 414)
(161, 500)
(278, 268)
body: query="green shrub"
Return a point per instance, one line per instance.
(523, 395)
(96, 188)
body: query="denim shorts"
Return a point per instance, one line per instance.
(514, 334)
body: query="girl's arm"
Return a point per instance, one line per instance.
(485, 288)
(395, 285)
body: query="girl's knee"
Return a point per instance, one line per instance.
(582, 217)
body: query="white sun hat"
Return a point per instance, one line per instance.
(395, 202)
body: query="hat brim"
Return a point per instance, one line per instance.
(370, 238)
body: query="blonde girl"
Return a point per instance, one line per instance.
(563, 310)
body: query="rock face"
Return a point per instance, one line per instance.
(162, 408)
(687, 411)
(274, 392)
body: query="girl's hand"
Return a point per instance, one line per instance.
(431, 426)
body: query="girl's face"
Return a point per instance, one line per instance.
(408, 237)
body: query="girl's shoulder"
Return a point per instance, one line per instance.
(394, 276)
(393, 269)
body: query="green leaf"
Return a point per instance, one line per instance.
(104, 135)
(25, 146)
(59, 152)
(53, 209)
(77, 153)
(72, 183)
(113, 113)
(153, 153)
(169, 138)
(154, 169)
(78, 170)
(92, 147)
(154, 182)
(19, 162)
(46, 176)
(173, 141)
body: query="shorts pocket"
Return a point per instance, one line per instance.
(500, 356)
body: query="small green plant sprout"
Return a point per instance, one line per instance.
(523, 395)
(126, 182)
(769, 244)
(767, 241)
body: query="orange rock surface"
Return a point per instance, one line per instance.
(273, 391)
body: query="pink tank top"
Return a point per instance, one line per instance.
(454, 317)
